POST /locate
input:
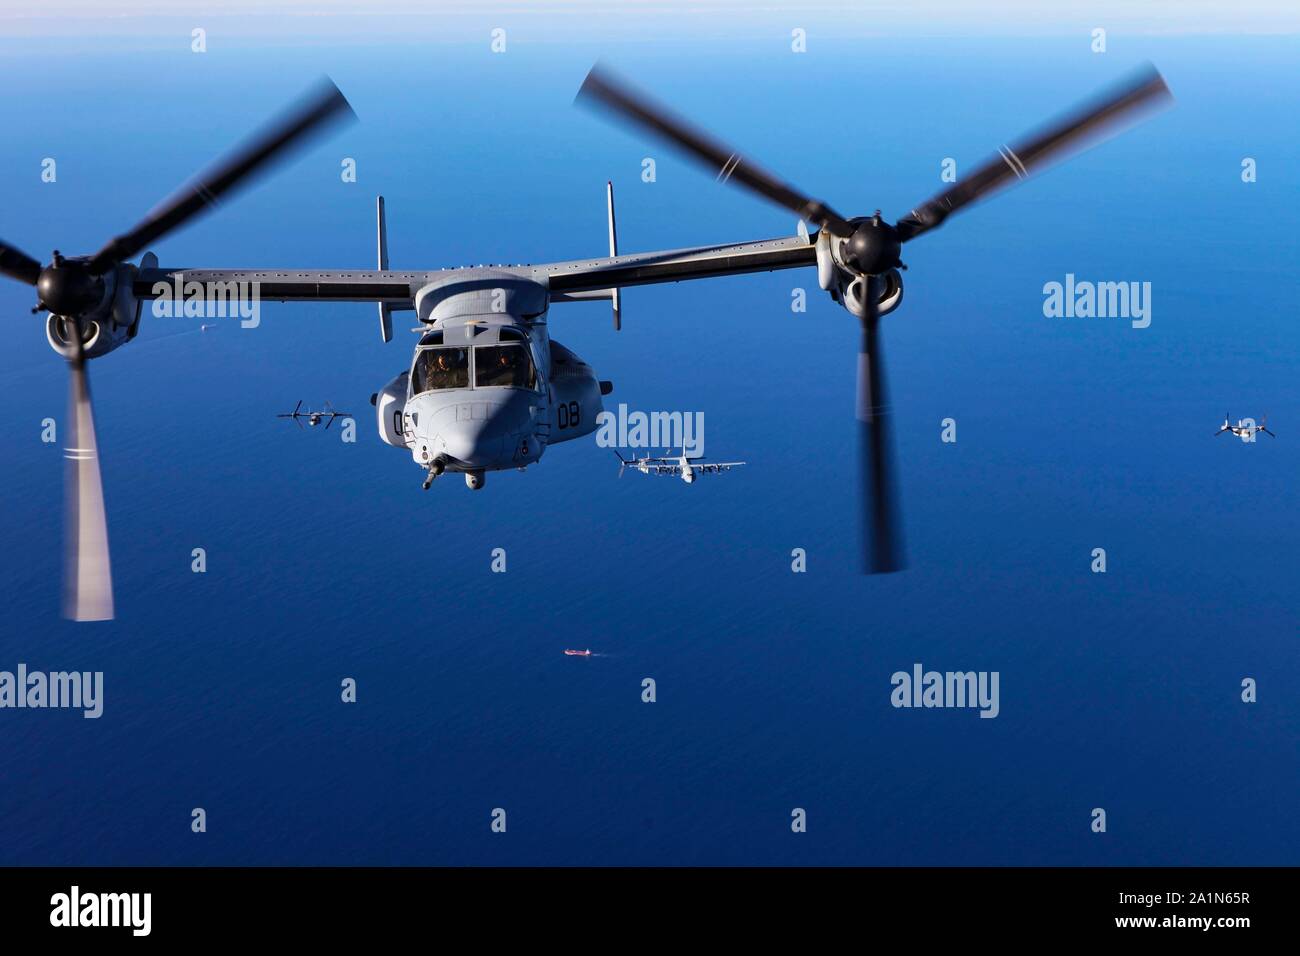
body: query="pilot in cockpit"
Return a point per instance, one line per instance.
(445, 371)
(440, 368)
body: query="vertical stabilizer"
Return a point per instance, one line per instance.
(385, 310)
(613, 251)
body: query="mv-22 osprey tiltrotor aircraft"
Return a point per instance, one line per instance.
(326, 415)
(1245, 429)
(488, 388)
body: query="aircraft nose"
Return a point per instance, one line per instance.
(483, 433)
(475, 441)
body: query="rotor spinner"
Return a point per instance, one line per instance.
(67, 287)
(873, 248)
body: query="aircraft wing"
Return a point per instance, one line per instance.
(656, 466)
(573, 279)
(287, 285)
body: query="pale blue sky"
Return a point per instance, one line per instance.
(627, 19)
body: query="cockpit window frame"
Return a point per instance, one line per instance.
(516, 339)
(469, 369)
(523, 346)
(506, 337)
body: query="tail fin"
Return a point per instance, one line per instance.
(385, 310)
(616, 298)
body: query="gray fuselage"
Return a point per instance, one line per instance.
(487, 388)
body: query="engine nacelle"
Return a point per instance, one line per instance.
(846, 288)
(98, 337)
(891, 294)
(828, 270)
(111, 325)
(389, 405)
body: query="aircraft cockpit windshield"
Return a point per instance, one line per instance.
(439, 368)
(505, 365)
(508, 366)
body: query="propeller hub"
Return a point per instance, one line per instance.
(66, 287)
(873, 248)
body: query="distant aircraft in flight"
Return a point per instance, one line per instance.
(314, 418)
(1244, 431)
(683, 467)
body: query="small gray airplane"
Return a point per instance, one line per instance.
(1245, 429)
(683, 467)
(314, 418)
(487, 388)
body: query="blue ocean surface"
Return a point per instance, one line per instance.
(326, 560)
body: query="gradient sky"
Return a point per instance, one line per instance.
(557, 20)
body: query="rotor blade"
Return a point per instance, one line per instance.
(87, 573)
(882, 540)
(17, 264)
(1145, 89)
(290, 131)
(603, 88)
